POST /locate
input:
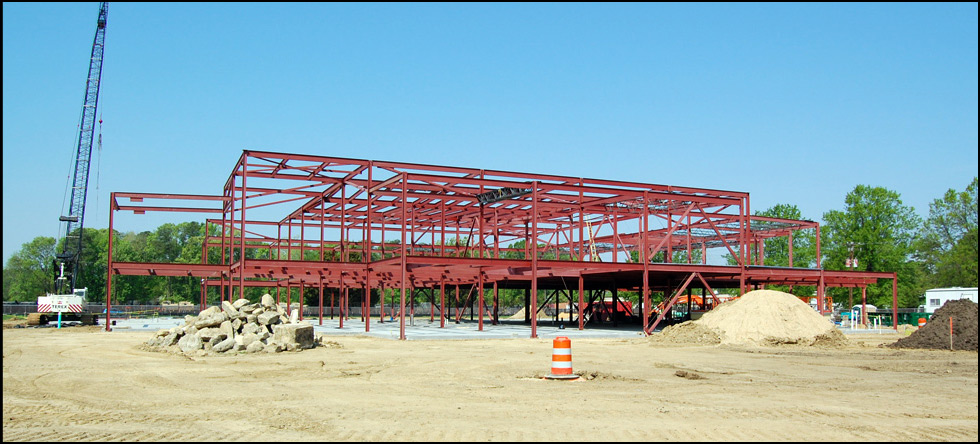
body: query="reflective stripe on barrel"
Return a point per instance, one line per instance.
(561, 357)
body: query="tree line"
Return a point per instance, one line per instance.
(875, 230)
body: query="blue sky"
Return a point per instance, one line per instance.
(793, 103)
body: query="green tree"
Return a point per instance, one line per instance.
(776, 250)
(30, 272)
(947, 245)
(881, 231)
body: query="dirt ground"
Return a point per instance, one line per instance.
(83, 384)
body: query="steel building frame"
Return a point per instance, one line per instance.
(352, 223)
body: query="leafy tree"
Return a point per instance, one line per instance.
(881, 231)
(776, 250)
(30, 272)
(947, 246)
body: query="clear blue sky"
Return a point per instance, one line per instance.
(793, 103)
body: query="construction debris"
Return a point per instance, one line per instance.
(238, 326)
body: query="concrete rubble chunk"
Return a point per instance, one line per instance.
(294, 316)
(250, 328)
(190, 343)
(211, 320)
(224, 346)
(254, 347)
(207, 333)
(227, 328)
(208, 312)
(269, 317)
(268, 300)
(218, 338)
(238, 304)
(249, 338)
(229, 308)
(301, 335)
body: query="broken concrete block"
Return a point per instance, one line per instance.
(218, 338)
(224, 346)
(249, 338)
(208, 312)
(268, 300)
(269, 317)
(207, 333)
(254, 347)
(229, 308)
(239, 303)
(189, 343)
(302, 335)
(294, 316)
(211, 320)
(227, 328)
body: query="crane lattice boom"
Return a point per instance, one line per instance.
(72, 245)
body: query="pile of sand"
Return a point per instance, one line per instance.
(935, 334)
(520, 315)
(762, 317)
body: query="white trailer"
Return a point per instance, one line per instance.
(936, 297)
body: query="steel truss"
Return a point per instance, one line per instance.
(304, 221)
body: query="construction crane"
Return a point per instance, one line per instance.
(69, 257)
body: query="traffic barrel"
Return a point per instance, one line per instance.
(922, 322)
(561, 359)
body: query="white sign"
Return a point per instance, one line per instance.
(60, 305)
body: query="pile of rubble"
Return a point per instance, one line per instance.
(238, 326)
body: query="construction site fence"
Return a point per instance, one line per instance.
(421, 310)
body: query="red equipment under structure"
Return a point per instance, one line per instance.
(364, 224)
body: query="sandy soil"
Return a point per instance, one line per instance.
(83, 384)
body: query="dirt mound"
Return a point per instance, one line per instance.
(935, 334)
(520, 315)
(761, 317)
(689, 332)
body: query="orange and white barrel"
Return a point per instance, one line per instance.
(922, 322)
(561, 359)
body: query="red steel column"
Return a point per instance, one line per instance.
(864, 305)
(108, 281)
(367, 255)
(320, 285)
(404, 262)
(581, 301)
(646, 263)
(495, 317)
(480, 299)
(534, 261)
(818, 246)
(341, 295)
(442, 303)
(895, 300)
(790, 249)
(241, 254)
